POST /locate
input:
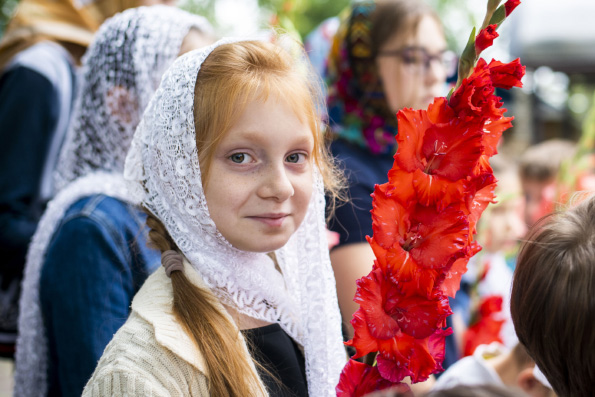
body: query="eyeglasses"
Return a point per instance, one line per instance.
(418, 60)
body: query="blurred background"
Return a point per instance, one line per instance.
(556, 42)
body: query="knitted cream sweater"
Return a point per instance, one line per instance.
(151, 355)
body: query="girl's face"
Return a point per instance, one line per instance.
(260, 180)
(411, 67)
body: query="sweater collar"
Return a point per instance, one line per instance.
(154, 303)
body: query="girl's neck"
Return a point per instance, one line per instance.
(244, 321)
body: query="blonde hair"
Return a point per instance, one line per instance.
(231, 76)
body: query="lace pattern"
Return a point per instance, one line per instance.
(32, 346)
(163, 168)
(121, 70)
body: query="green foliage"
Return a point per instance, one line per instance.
(6, 10)
(304, 14)
(206, 8)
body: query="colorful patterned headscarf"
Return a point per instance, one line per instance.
(357, 107)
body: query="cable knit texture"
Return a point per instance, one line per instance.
(152, 355)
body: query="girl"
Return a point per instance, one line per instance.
(230, 162)
(89, 255)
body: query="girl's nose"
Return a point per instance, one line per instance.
(276, 184)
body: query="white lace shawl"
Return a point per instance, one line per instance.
(121, 70)
(31, 361)
(163, 167)
(131, 50)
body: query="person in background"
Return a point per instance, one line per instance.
(489, 276)
(539, 166)
(89, 254)
(496, 365)
(553, 297)
(39, 53)
(386, 55)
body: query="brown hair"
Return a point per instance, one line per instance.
(397, 17)
(230, 77)
(553, 298)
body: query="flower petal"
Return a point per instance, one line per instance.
(370, 295)
(358, 379)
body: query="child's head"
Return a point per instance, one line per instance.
(553, 298)
(501, 225)
(385, 56)
(121, 70)
(251, 101)
(408, 43)
(538, 168)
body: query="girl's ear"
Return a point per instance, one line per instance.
(527, 382)
(122, 105)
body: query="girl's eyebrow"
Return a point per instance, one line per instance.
(255, 136)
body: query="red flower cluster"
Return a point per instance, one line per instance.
(424, 219)
(486, 328)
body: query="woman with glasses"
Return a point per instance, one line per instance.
(386, 55)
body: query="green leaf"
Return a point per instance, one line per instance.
(499, 16)
(468, 59)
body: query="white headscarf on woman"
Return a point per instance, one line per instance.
(120, 72)
(166, 177)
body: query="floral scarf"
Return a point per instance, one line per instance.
(357, 107)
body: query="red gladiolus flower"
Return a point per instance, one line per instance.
(387, 311)
(435, 154)
(506, 75)
(490, 305)
(452, 279)
(485, 38)
(426, 358)
(358, 379)
(417, 243)
(510, 5)
(474, 100)
(424, 221)
(487, 328)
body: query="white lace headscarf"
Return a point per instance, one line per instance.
(131, 51)
(121, 70)
(166, 177)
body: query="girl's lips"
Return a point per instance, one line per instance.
(273, 220)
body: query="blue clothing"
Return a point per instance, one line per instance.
(363, 171)
(36, 97)
(353, 220)
(96, 262)
(35, 100)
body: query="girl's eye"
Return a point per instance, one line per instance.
(240, 158)
(295, 158)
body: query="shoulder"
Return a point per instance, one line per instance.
(48, 59)
(134, 363)
(468, 370)
(106, 211)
